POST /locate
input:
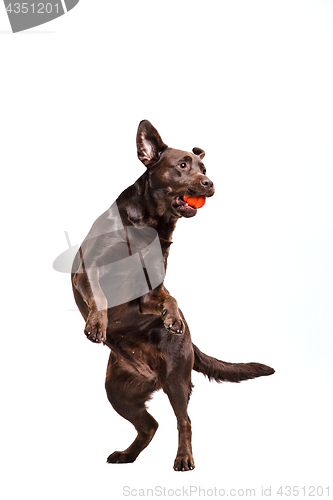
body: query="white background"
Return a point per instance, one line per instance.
(251, 83)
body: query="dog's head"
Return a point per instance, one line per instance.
(173, 174)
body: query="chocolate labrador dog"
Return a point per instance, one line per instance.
(118, 286)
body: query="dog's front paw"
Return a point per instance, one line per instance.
(96, 326)
(172, 321)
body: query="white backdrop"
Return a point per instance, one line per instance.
(251, 83)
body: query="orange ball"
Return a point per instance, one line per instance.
(195, 201)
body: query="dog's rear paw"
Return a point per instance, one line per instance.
(120, 457)
(184, 463)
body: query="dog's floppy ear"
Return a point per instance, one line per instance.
(199, 152)
(149, 143)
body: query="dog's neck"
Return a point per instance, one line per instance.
(142, 207)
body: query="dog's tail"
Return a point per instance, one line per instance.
(230, 372)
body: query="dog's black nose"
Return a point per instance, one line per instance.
(207, 183)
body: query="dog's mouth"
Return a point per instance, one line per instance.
(187, 206)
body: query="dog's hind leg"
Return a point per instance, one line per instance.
(128, 390)
(178, 393)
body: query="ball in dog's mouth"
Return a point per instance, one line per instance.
(187, 205)
(195, 201)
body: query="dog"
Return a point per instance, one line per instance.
(147, 333)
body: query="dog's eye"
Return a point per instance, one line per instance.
(183, 165)
(204, 171)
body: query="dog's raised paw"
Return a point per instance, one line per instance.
(173, 323)
(172, 329)
(96, 326)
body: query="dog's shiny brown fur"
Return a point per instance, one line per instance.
(149, 338)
